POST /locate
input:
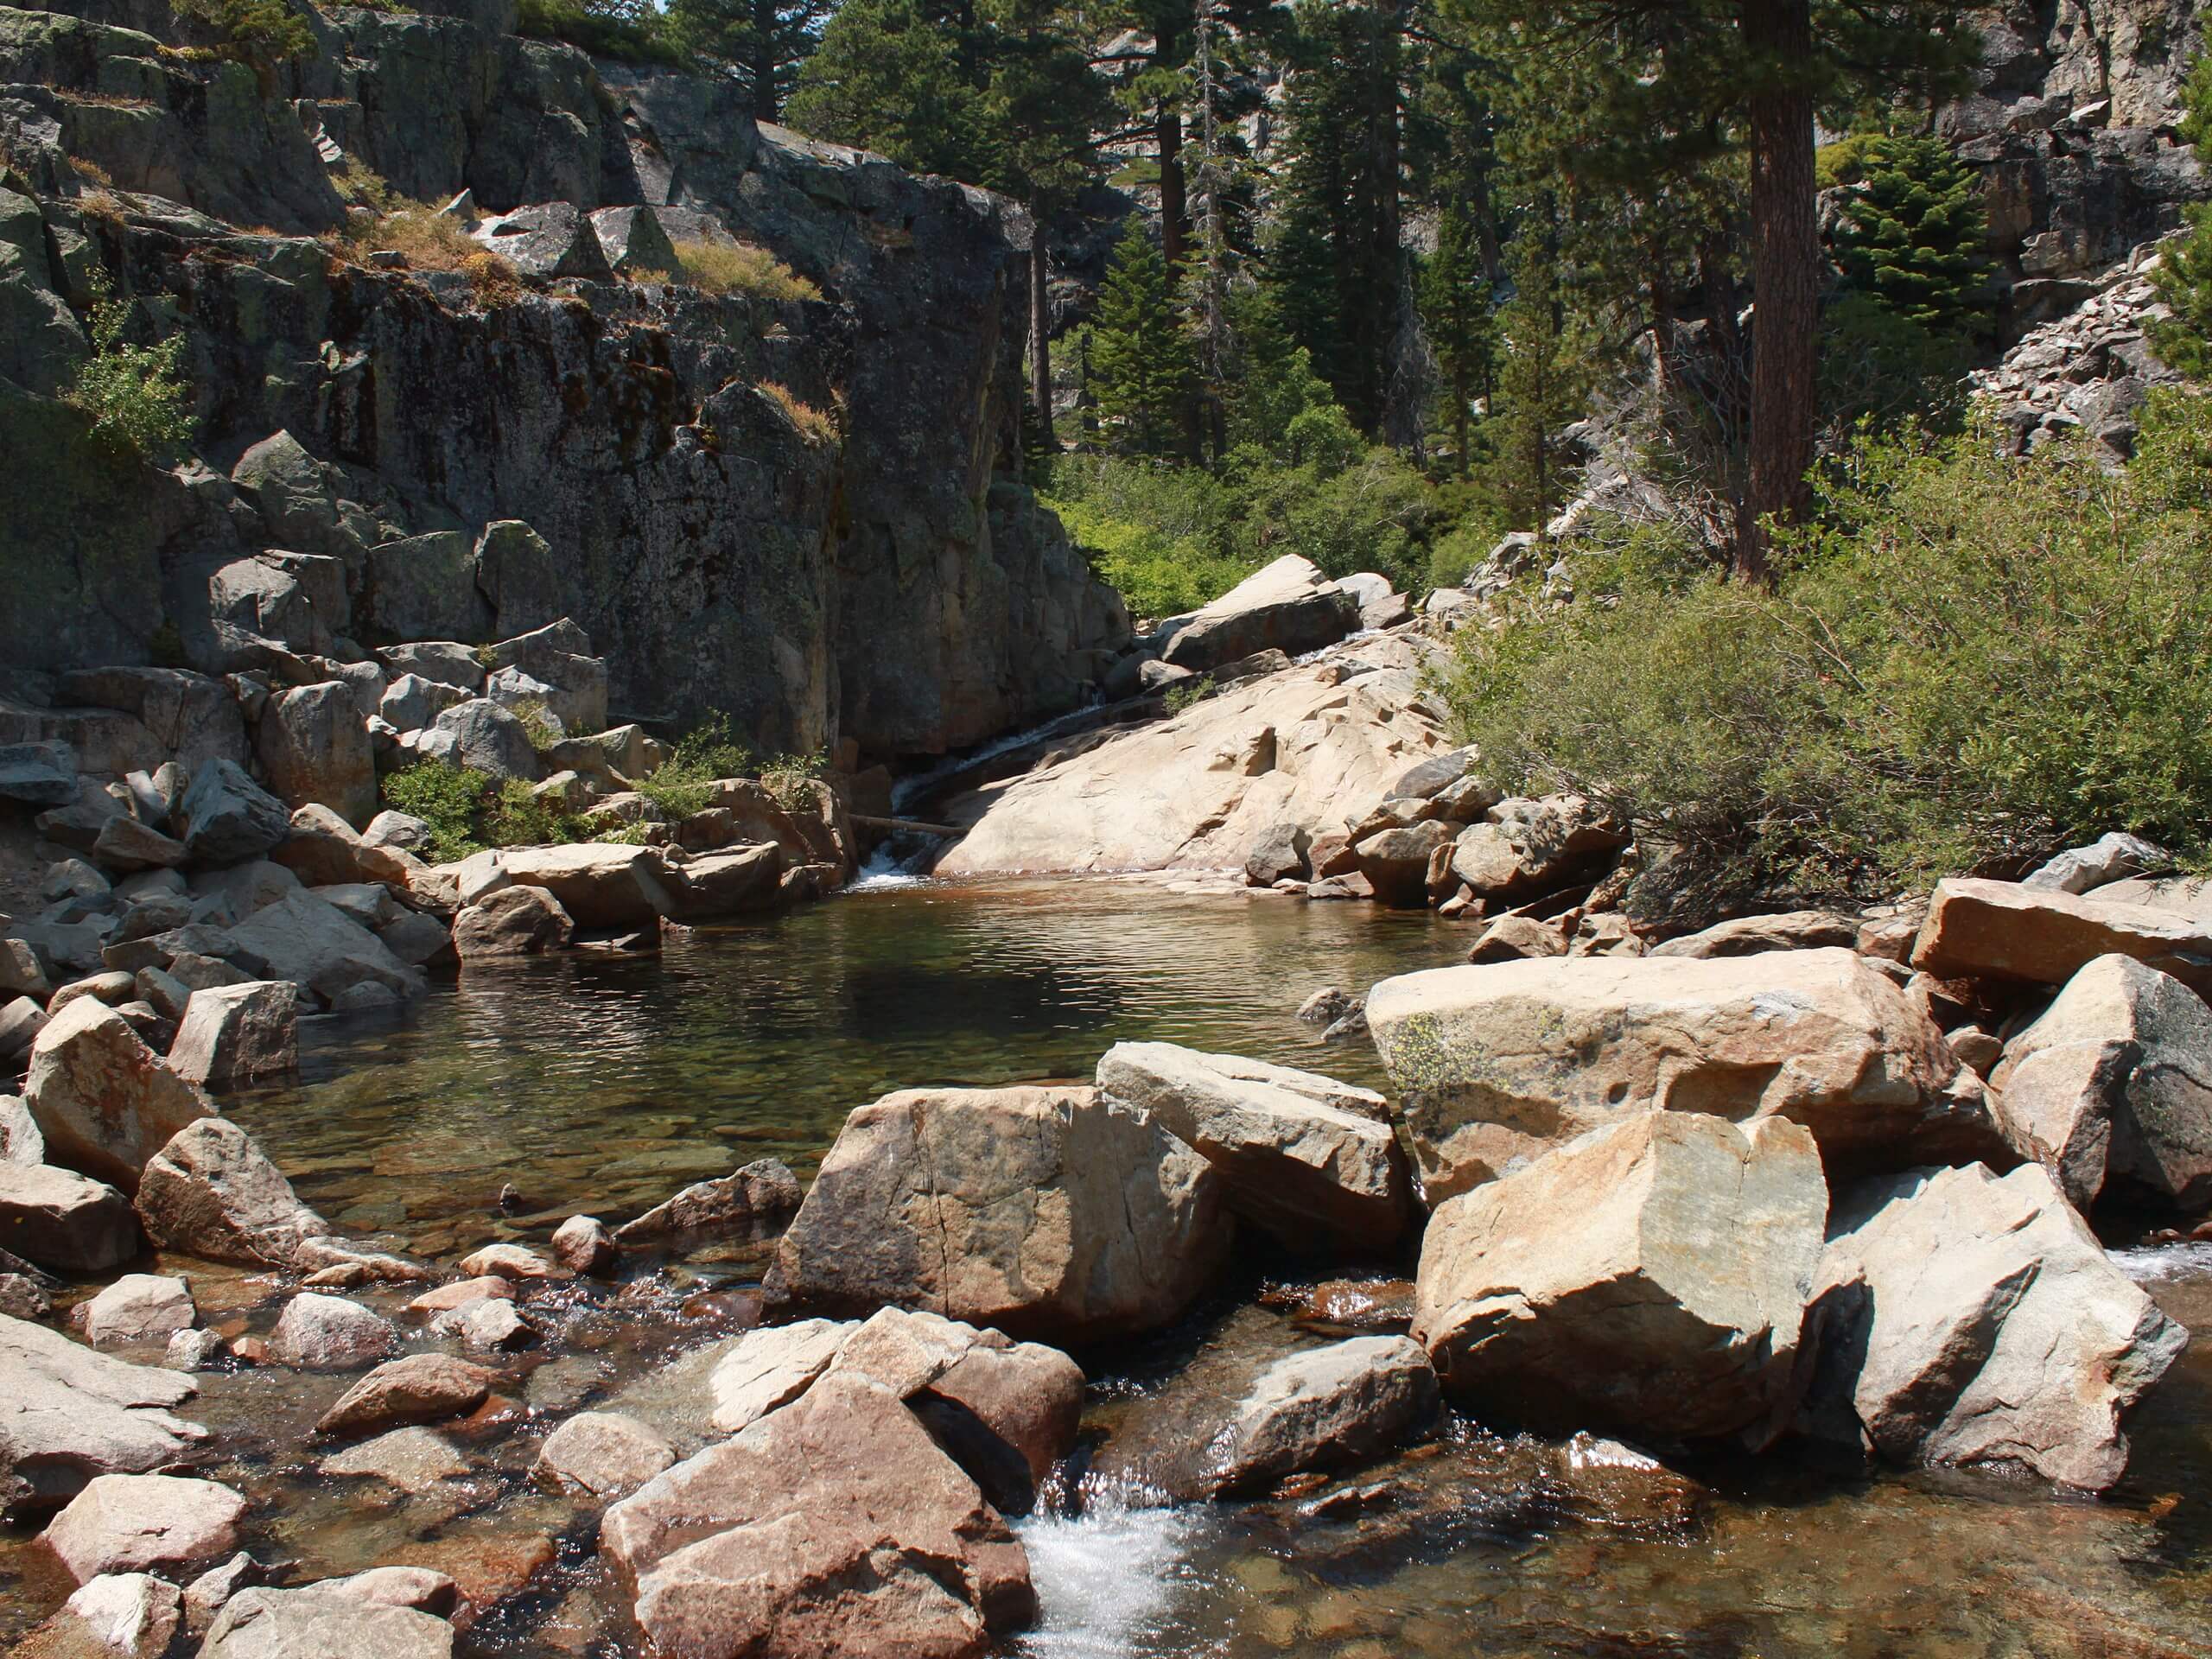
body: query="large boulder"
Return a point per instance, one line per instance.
(323, 1621)
(2003, 929)
(212, 1193)
(62, 1220)
(481, 736)
(129, 1523)
(104, 1101)
(1395, 862)
(635, 245)
(313, 744)
(317, 946)
(1501, 1063)
(1526, 847)
(2112, 1086)
(1289, 607)
(73, 1414)
(227, 818)
(1970, 1318)
(510, 922)
(759, 1544)
(1325, 1408)
(600, 885)
(1046, 1211)
(38, 774)
(239, 1033)
(547, 239)
(727, 883)
(1312, 1162)
(558, 657)
(1650, 1277)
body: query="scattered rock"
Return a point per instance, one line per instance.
(139, 1309)
(210, 1193)
(115, 1616)
(602, 1454)
(1312, 1161)
(737, 1205)
(314, 945)
(489, 1325)
(2000, 930)
(1395, 862)
(1967, 1319)
(1045, 1211)
(481, 736)
(195, 1351)
(1796, 930)
(227, 818)
(413, 1459)
(418, 1389)
(325, 1622)
(751, 1545)
(104, 1101)
(461, 1293)
(317, 1333)
(1327, 1006)
(1501, 1063)
(1526, 848)
(63, 1220)
(127, 1523)
(421, 1588)
(512, 922)
(1327, 1408)
(582, 1244)
(508, 1262)
(600, 885)
(1651, 1275)
(2108, 859)
(239, 1033)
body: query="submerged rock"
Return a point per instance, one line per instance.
(139, 1310)
(601, 1455)
(1046, 1211)
(1323, 1408)
(1649, 1277)
(317, 1333)
(1501, 1063)
(1970, 1318)
(1312, 1161)
(417, 1388)
(738, 1205)
(757, 1544)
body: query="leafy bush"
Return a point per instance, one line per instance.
(629, 34)
(719, 267)
(1156, 573)
(789, 779)
(538, 724)
(262, 33)
(136, 395)
(1972, 661)
(446, 798)
(1189, 692)
(709, 751)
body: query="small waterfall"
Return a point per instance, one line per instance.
(1108, 1580)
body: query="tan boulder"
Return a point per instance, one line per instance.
(1396, 861)
(598, 883)
(211, 1192)
(324, 850)
(601, 1455)
(1312, 1161)
(62, 1220)
(2112, 1085)
(1524, 847)
(1749, 936)
(1046, 1211)
(130, 1523)
(742, 1205)
(1967, 1319)
(104, 1101)
(510, 922)
(322, 1619)
(416, 1389)
(239, 1033)
(1501, 1063)
(2001, 930)
(754, 1545)
(1650, 1277)
(115, 1616)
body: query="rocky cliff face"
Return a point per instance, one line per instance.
(891, 581)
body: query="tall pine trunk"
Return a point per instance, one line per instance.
(1040, 360)
(1173, 209)
(1786, 273)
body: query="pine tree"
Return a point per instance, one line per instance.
(763, 43)
(898, 77)
(1543, 380)
(1140, 356)
(1911, 236)
(1455, 298)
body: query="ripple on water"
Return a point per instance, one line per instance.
(2151, 1264)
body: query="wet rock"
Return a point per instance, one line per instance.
(312, 744)
(415, 938)
(737, 1205)
(1312, 1161)
(1366, 1305)
(227, 818)
(1500, 1063)
(420, 1588)
(22, 1297)
(750, 1546)
(1650, 1277)
(727, 883)
(490, 1325)
(2113, 1084)
(460, 1293)
(239, 1033)
(582, 1244)
(1325, 1408)
(2000, 930)
(413, 1460)
(212, 1193)
(207, 1595)
(139, 1309)
(63, 1220)
(508, 1262)
(317, 1333)
(2108, 859)
(1114, 1226)
(104, 1101)
(1327, 1006)
(1970, 1318)
(323, 1621)
(1746, 936)
(195, 1351)
(128, 1524)
(512, 922)
(115, 1616)
(602, 1454)
(418, 1389)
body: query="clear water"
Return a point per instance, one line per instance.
(602, 1083)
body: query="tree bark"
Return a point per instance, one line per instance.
(1786, 271)
(1174, 208)
(1040, 358)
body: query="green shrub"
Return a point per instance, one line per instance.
(789, 779)
(721, 268)
(605, 30)
(1911, 235)
(447, 799)
(261, 33)
(538, 724)
(1970, 662)
(1156, 573)
(707, 752)
(513, 816)
(136, 395)
(1188, 693)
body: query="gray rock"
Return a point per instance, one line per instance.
(212, 1193)
(514, 567)
(76, 1414)
(329, 1333)
(558, 655)
(1797, 929)
(105, 1102)
(400, 830)
(126, 1523)
(1325, 1408)
(1967, 1319)
(63, 1220)
(195, 1351)
(316, 749)
(413, 1459)
(38, 774)
(424, 588)
(481, 736)
(239, 1033)
(20, 1141)
(20, 972)
(633, 241)
(227, 817)
(1650, 1277)
(140, 1309)
(411, 702)
(2108, 859)
(114, 1616)
(550, 239)
(601, 1455)
(1289, 607)
(325, 1622)
(313, 944)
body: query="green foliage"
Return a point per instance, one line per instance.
(136, 395)
(1140, 359)
(1880, 370)
(1187, 693)
(2183, 279)
(890, 76)
(1157, 573)
(762, 42)
(1543, 380)
(1911, 236)
(262, 33)
(1456, 307)
(1975, 660)
(605, 29)
(446, 798)
(790, 779)
(709, 751)
(538, 724)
